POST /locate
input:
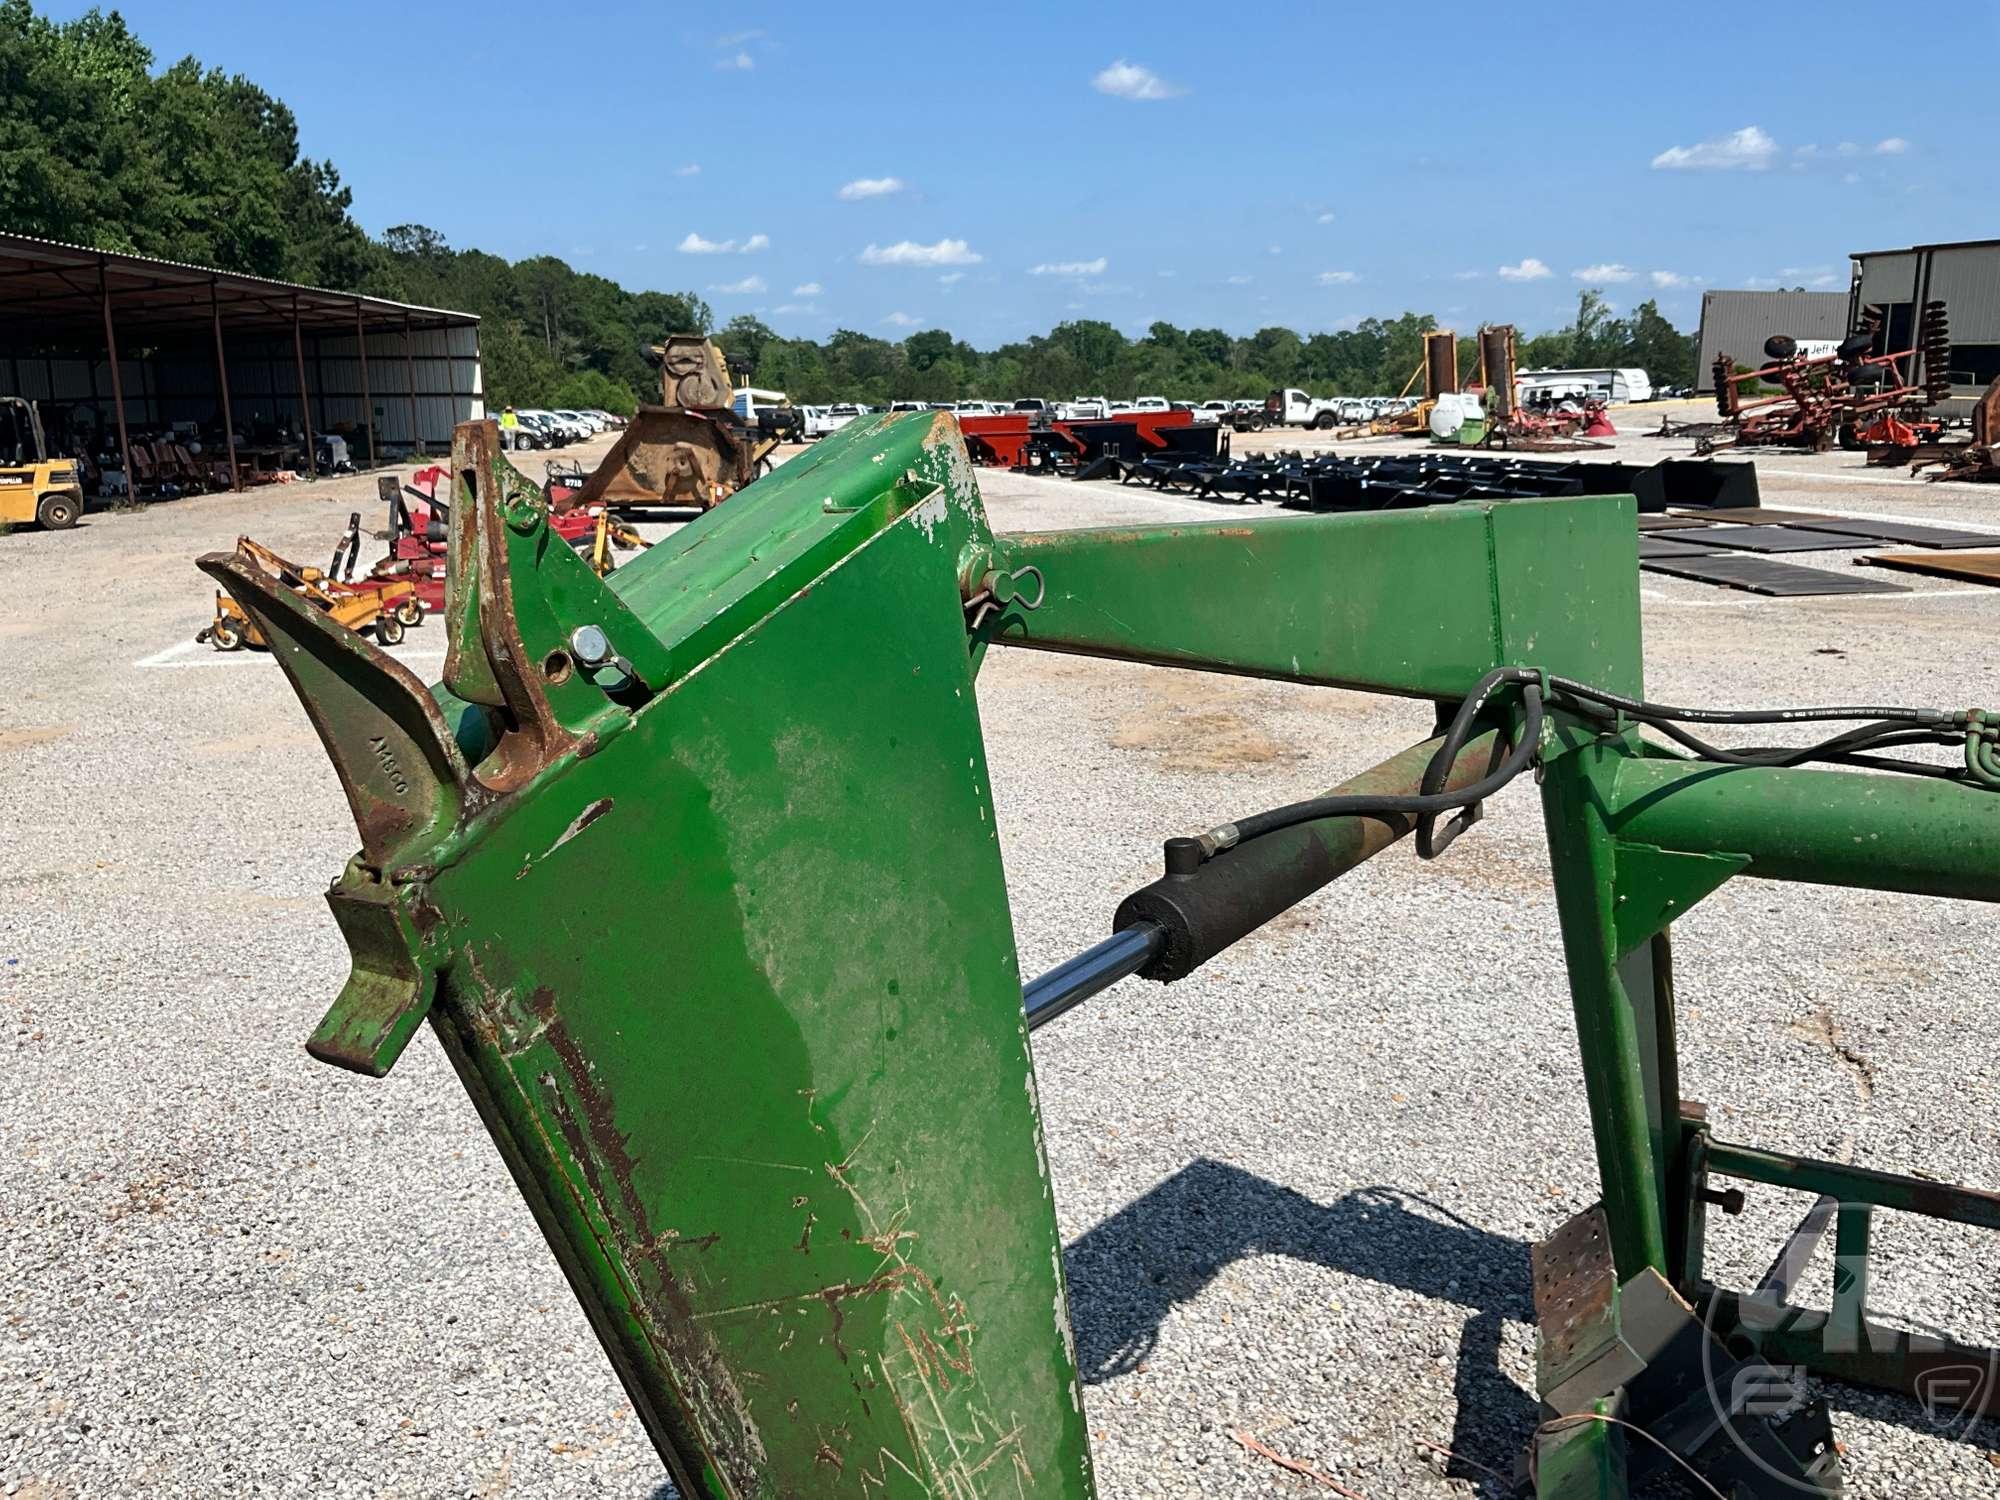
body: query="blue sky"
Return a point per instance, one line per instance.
(996, 169)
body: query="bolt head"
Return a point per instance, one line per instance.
(589, 645)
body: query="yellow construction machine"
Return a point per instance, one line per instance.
(33, 486)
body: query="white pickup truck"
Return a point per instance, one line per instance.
(818, 421)
(1294, 408)
(1084, 408)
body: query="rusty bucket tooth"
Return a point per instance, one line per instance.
(396, 755)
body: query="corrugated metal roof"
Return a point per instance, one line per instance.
(37, 287)
(1915, 249)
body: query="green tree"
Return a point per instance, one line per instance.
(593, 390)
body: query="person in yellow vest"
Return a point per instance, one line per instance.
(509, 425)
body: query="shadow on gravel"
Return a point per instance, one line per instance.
(1131, 1271)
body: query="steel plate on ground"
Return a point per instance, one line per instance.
(1672, 523)
(1906, 532)
(1753, 515)
(1672, 546)
(1782, 539)
(1761, 575)
(1978, 567)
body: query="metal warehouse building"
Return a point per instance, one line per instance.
(116, 348)
(1965, 276)
(1737, 323)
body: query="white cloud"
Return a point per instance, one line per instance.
(742, 62)
(910, 253)
(1666, 280)
(1124, 80)
(1466, 275)
(951, 278)
(1828, 279)
(902, 320)
(1895, 145)
(1326, 218)
(1241, 280)
(744, 288)
(738, 38)
(1336, 278)
(1276, 250)
(1798, 273)
(1609, 271)
(1166, 275)
(807, 289)
(1847, 148)
(1850, 178)
(1070, 267)
(869, 187)
(1745, 150)
(795, 307)
(1529, 269)
(692, 169)
(694, 244)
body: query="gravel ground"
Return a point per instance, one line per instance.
(1298, 1188)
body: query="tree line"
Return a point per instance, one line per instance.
(192, 164)
(1090, 357)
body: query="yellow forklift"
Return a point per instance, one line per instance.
(33, 486)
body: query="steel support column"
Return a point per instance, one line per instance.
(305, 411)
(367, 401)
(117, 385)
(222, 378)
(410, 372)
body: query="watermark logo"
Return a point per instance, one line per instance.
(1950, 1383)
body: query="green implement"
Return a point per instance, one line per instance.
(787, 1146)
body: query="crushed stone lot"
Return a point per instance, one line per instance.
(1298, 1189)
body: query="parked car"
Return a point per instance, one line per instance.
(979, 408)
(540, 428)
(569, 429)
(1034, 406)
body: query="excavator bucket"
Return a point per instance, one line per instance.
(676, 865)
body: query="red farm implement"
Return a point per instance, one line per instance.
(1834, 397)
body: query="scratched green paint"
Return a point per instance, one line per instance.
(737, 994)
